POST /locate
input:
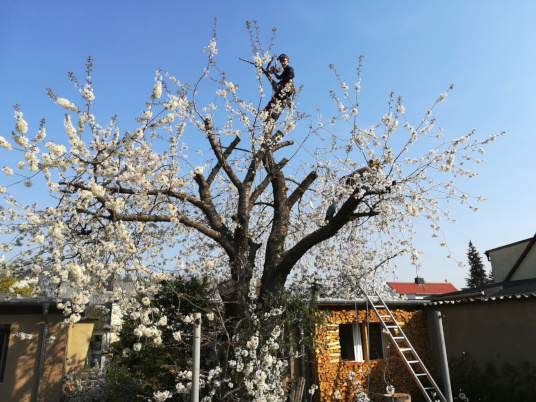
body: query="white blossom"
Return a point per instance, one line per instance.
(8, 171)
(157, 91)
(20, 140)
(64, 103)
(21, 126)
(87, 94)
(41, 134)
(160, 396)
(4, 144)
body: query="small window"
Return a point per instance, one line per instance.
(4, 342)
(376, 341)
(346, 336)
(96, 343)
(353, 336)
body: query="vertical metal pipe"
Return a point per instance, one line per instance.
(42, 353)
(443, 356)
(304, 373)
(196, 359)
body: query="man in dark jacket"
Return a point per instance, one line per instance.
(285, 88)
(288, 72)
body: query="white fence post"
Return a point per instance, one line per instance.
(196, 357)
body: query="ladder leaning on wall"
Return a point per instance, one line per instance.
(407, 352)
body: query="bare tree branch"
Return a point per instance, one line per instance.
(303, 186)
(226, 154)
(219, 155)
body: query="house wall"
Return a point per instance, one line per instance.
(497, 332)
(22, 361)
(503, 259)
(527, 269)
(334, 376)
(77, 347)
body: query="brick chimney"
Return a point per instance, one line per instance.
(419, 280)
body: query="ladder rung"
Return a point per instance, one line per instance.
(421, 374)
(398, 337)
(391, 326)
(413, 361)
(426, 388)
(405, 349)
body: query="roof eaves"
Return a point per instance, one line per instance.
(482, 299)
(10, 299)
(362, 302)
(505, 246)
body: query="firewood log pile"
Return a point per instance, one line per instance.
(333, 374)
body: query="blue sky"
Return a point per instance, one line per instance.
(415, 48)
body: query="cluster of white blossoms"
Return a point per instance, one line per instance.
(161, 396)
(23, 335)
(157, 91)
(20, 140)
(5, 144)
(7, 170)
(20, 125)
(64, 103)
(211, 48)
(259, 365)
(87, 93)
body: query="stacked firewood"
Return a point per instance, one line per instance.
(337, 377)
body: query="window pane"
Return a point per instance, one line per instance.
(375, 341)
(4, 342)
(346, 336)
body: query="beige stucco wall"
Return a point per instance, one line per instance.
(23, 359)
(503, 259)
(496, 332)
(77, 346)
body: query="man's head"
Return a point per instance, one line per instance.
(283, 59)
(374, 163)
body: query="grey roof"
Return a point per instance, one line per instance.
(22, 300)
(363, 302)
(96, 299)
(20, 304)
(523, 288)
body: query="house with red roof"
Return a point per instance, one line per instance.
(420, 289)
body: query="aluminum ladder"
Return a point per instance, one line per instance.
(407, 352)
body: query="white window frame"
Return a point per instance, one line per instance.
(359, 347)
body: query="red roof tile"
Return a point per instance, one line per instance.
(404, 288)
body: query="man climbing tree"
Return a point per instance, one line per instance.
(284, 90)
(477, 272)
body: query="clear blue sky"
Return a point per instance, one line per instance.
(415, 48)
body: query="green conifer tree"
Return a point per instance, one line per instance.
(477, 272)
